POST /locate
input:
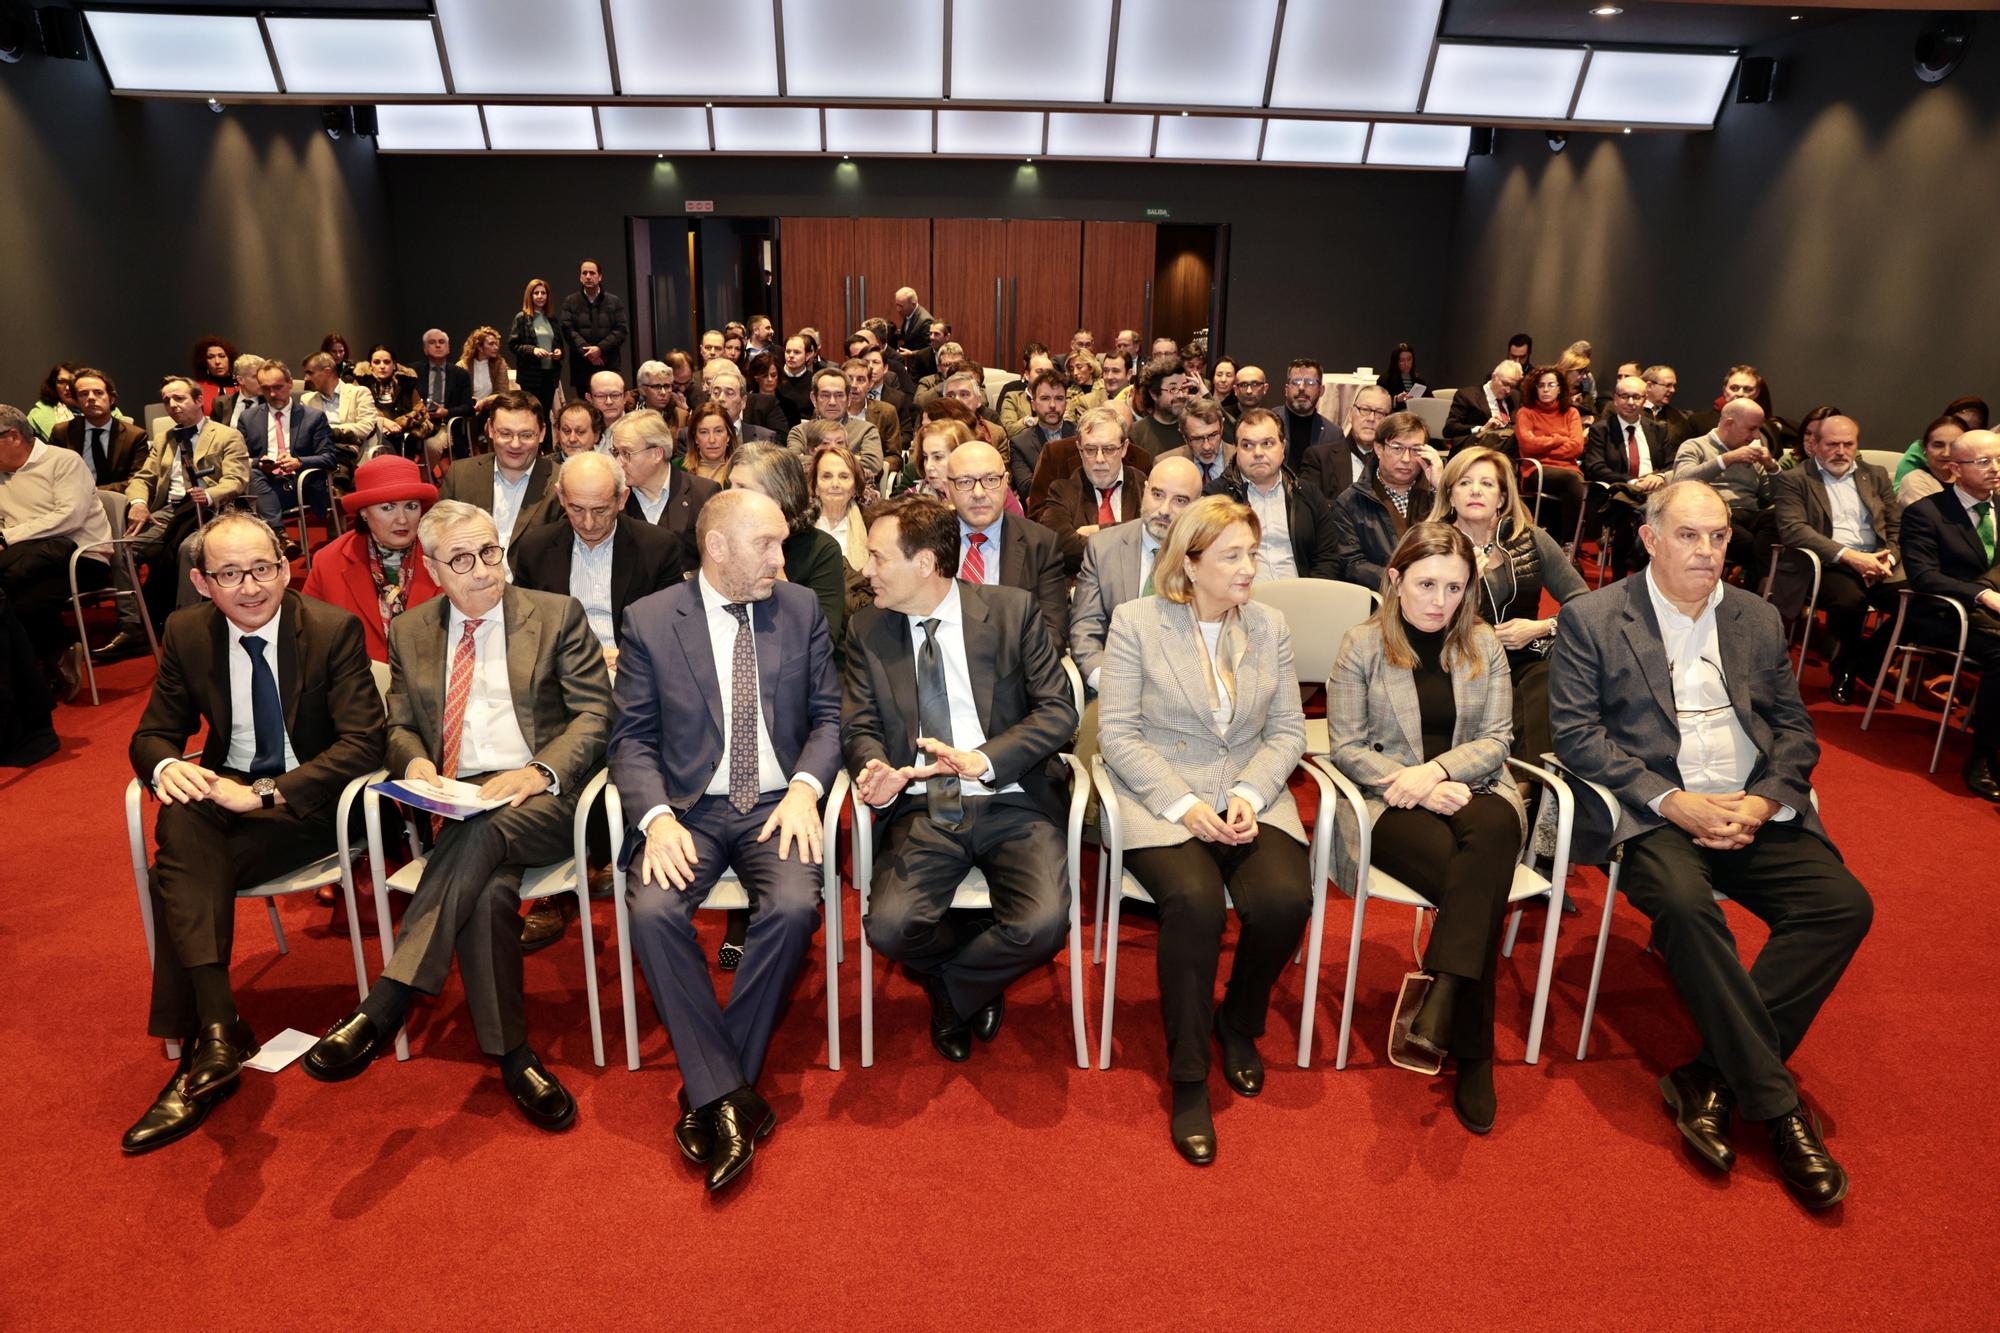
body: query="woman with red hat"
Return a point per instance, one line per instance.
(373, 569)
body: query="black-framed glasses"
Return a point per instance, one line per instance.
(490, 554)
(965, 485)
(264, 571)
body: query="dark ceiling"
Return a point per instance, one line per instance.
(1644, 22)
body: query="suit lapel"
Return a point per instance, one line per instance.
(1013, 557)
(1131, 571)
(691, 630)
(1736, 664)
(1642, 631)
(623, 571)
(291, 652)
(1822, 519)
(770, 660)
(899, 664)
(524, 650)
(982, 650)
(1402, 684)
(218, 681)
(1187, 657)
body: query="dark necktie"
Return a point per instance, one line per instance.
(742, 713)
(267, 712)
(934, 721)
(1632, 450)
(100, 465)
(185, 447)
(437, 385)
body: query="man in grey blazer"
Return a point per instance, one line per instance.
(1672, 689)
(1118, 561)
(506, 689)
(511, 482)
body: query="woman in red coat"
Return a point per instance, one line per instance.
(374, 569)
(1549, 430)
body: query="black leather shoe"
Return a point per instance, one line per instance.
(219, 1052)
(949, 1034)
(1472, 1098)
(348, 1047)
(1242, 1066)
(1191, 1125)
(741, 1118)
(694, 1132)
(1842, 689)
(1701, 1104)
(541, 1096)
(1808, 1170)
(985, 1021)
(173, 1115)
(118, 647)
(1979, 777)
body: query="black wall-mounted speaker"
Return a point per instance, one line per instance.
(1482, 141)
(1941, 46)
(364, 122)
(62, 33)
(1757, 79)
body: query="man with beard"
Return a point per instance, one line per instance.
(1164, 389)
(1304, 426)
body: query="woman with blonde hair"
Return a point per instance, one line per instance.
(1200, 727)
(481, 359)
(1447, 818)
(537, 344)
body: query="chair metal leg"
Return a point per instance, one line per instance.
(1944, 714)
(1115, 902)
(1882, 671)
(277, 926)
(1097, 921)
(1353, 965)
(625, 988)
(1597, 963)
(82, 635)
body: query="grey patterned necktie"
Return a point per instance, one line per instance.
(742, 713)
(934, 720)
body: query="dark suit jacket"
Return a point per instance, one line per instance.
(1611, 702)
(762, 409)
(1673, 420)
(644, 559)
(562, 693)
(333, 713)
(1306, 513)
(1805, 517)
(1942, 552)
(1604, 457)
(667, 742)
(1031, 559)
(307, 434)
(1025, 706)
(1329, 465)
(1468, 411)
(457, 389)
(471, 480)
(1024, 451)
(125, 448)
(1366, 529)
(915, 332)
(1316, 429)
(1060, 459)
(686, 494)
(1072, 503)
(224, 407)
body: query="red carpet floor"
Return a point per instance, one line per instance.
(1016, 1190)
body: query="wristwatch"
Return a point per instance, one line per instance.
(545, 771)
(267, 790)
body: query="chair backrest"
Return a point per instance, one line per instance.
(1886, 459)
(1319, 612)
(381, 670)
(1433, 412)
(115, 504)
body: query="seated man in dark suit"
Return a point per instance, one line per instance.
(1105, 491)
(1118, 561)
(1845, 512)
(1341, 459)
(1661, 383)
(1206, 440)
(1631, 453)
(1672, 689)
(1049, 398)
(1949, 548)
(284, 438)
(996, 547)
(728, 736)
(228, 408)
(722, 383)
(666, 496)
(992, 708)
(504, 688)
(1305, 385)
(509, 483)
(112, 447)
(284, 686)
(1299, 535)
(194, 470)
(1488, 405)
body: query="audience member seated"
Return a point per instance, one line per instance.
(1486, 406)
(1017, 411)
(446, 389)
(925, 472)
(285, 437)
(1113, 381)
(998, 547)
(510, 482)
(722, 384)
(1843, 511)
(1932, 471)
(711, 444)
(967, 387)
(742, 796)
(536, 339)
(579, 428)
(812, 558)
(890, 384)
(195, 467)
(1745, 382)
(1342, 458)
(1202, 797)
(111, 447)
(375, 569)
(349, 409)
(1579, 386)
(1628, 450)
(242, 395)
(1159, 398)
(485, 365)
(260, 799)
(1949, 549)
(964, 781)
(1252, 387)
(594, 325)
(1401, 380)
(1672, 689)
(1049, 398)
(612, 399)
(1521, 351)
(862, 407)
(398, 408)
(1661, 383)
(795, 384)
(1103, 492)
(1550, 431)
(1370, 517)
(528, 727)
(48, 508)
(1733, 458)
(838, 499)
(830, 398)
(209, 369)
(1119, 562)
(1447, 818)
(1514, 562)
(1297, 532)
(1626, 370)
(657, 491)
(1204, 441)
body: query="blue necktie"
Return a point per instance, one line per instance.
(267, 711)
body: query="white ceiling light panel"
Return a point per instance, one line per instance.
(1654, 88)
(694, 48)
(864, 130)
(1407, 145)
(429, 127)
(654, 129)
(1194, 52)
(357, 56)
(1354, 55)
(1030, 50)
(541, 129)
(1105, 134)
(1339, 141)
(767, 129)
(1524, 82)
(526, 47)
(990, 133)
(864, 48)
(183, 53)
(1209, 138)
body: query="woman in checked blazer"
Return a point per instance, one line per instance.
(1421, 713)
(1200, 725)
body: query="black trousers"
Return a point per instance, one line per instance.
(204, 855)
(1272, 888)
(1982, 651)
(917, 870)
(1846, 601)
(1464, 863)
(1750, 1021)
(35, 576)
(1562, 499)
(26, 708)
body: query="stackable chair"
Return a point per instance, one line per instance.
(1317, 612)
(1912, 651)
(119, 550)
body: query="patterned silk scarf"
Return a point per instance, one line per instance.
(392, 591)
(1230, 644)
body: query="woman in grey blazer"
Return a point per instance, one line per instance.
(1200, 725)
(1420, 710)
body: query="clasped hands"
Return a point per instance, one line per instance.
(1235, 827)
(1426, 786)
(1722, 822)
(1870, 566)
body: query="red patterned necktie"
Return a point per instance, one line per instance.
(456, 694)
(973, 568)
(1106, 515)
(1632, 450)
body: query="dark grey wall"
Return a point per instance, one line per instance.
(1331, 263)
(132, 227)
(1841, 239)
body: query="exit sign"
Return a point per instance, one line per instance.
(1159, 213)
(700, 205)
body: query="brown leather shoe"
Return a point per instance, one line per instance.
(545, 923)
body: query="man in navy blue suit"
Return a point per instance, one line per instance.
(728, 736)
(285, 437)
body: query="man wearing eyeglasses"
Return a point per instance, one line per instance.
(284, 686)
(608, 394)
(504, 688)
(1304, 426)
(1164, 388)
(510, 482)
(760, 420)
(1341, 459)
(657, 492)
(1206, 442)
(1105, 491)
(1630, 452)
(996, 547)
(1371, 516)
(830, 398)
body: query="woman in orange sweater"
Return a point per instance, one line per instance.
(1550, 431)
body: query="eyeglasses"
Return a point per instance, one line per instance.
(1982, 462)
(967, 485)
(627, 455)
(1402, 450)
(264, 571)
(1100, 450)
(489, 554)
(1303, 382)
(652, 384)
(1361, 411)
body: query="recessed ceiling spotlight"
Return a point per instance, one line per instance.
(215, 106)
(1607, 11)
(1797, 17)
(1628, 129)
(1183, 113)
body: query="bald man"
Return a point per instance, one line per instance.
(1118, 561)
(1734, 460)
(1630, 454)
(913, 322)
(999, 548)
(1845, 512)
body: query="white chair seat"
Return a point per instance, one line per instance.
(540, 882)
(973, 894)
(326, 870)
(1528, 883)
(1317, 739)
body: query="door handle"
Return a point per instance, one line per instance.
(846, 305)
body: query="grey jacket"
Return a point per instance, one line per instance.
(1743, 486)
(1108, 579)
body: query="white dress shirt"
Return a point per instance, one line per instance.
(967, 733)
(490, 740)
(655, 506)
(1274, 553)
(242, 710)
(507, 499)
(1716, 754)
(1851, 525)
(590, 583)
(1648, 464)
